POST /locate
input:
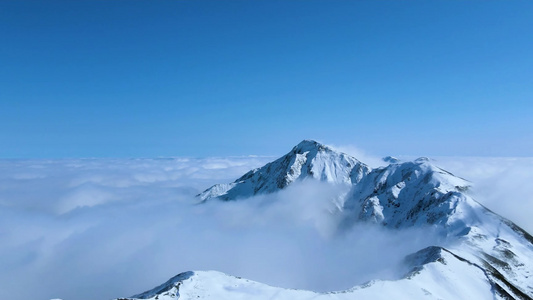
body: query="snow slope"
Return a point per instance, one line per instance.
(435, 273)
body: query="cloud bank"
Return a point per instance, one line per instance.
(100, 228)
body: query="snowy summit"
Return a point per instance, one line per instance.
(308, 159)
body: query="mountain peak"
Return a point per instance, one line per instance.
(308, 159)
(310, 145)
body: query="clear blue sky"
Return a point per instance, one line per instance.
(215, 78)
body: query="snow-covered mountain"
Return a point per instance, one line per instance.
(486, 257)
(409, 194)
(435, 273)
(419, 194)
(308, 159)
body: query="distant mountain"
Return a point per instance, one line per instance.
(308, 159)
(488, 256)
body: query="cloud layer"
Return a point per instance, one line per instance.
(98, 229)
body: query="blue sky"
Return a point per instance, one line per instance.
(217, 78)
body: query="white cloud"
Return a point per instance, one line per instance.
(98, 229)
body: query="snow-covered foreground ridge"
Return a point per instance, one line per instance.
(486, 257)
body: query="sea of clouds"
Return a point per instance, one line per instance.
(106, 228)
